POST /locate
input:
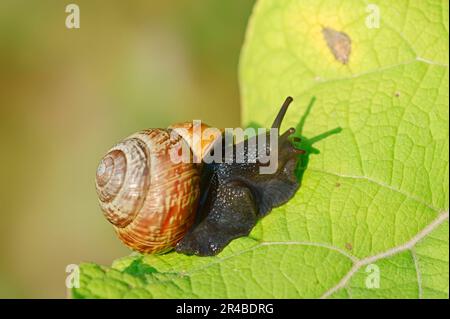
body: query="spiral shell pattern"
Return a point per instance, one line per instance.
(150, 200)
(122, 181)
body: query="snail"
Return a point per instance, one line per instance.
(194, 207)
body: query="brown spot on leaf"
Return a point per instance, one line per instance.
(339, 44)
(338, 184)
(397, 94)
(348, 246)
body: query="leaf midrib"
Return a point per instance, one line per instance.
(409, 245)
(357, 262)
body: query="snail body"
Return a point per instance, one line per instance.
(157, 205)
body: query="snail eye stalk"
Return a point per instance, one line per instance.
(282, 113)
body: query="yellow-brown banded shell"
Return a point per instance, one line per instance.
(150, 200)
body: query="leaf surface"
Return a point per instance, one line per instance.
(374, 197)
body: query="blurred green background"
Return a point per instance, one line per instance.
(66, 96)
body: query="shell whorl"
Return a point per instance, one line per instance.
(150, 199)
(122, 181)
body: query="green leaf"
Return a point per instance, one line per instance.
(371, 217)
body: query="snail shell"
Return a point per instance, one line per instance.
(150, 200)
